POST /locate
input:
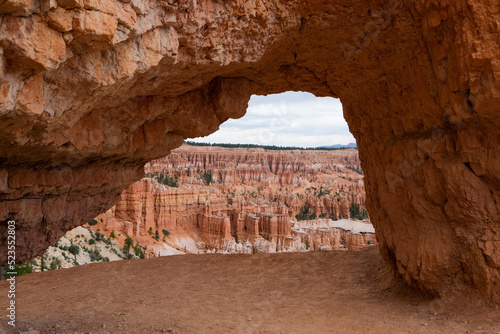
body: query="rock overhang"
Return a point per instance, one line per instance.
(92, 90)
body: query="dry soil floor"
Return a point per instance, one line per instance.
(323, 292)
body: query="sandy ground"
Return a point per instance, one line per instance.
(320, 292)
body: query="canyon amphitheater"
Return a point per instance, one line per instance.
(91, 90)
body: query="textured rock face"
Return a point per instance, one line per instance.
(90, 87)
(325, 234)
(326, 182)
(240, 200)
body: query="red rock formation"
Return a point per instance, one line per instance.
(148, 208)
(325, 234)
(83, 105)
(324, 181)
(228, 211)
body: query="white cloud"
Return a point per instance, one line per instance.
(287, 119)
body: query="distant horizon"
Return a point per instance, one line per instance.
(335, 146)
(290, 119)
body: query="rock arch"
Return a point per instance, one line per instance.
(91, 90)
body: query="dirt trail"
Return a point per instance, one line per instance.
(321, 292)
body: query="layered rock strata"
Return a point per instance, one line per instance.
(323, 234)
(238, 200)
(92, 90)
(325, 182)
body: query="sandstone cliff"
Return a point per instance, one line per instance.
(326, 234)
(92, 90)
(239, 200)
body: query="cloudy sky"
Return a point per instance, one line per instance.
(287, 119)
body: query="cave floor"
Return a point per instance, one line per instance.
(321, 292)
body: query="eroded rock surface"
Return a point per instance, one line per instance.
(92, 90)
(242, 200)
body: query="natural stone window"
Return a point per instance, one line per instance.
(90, 91)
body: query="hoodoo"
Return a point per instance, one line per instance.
(91, 90)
